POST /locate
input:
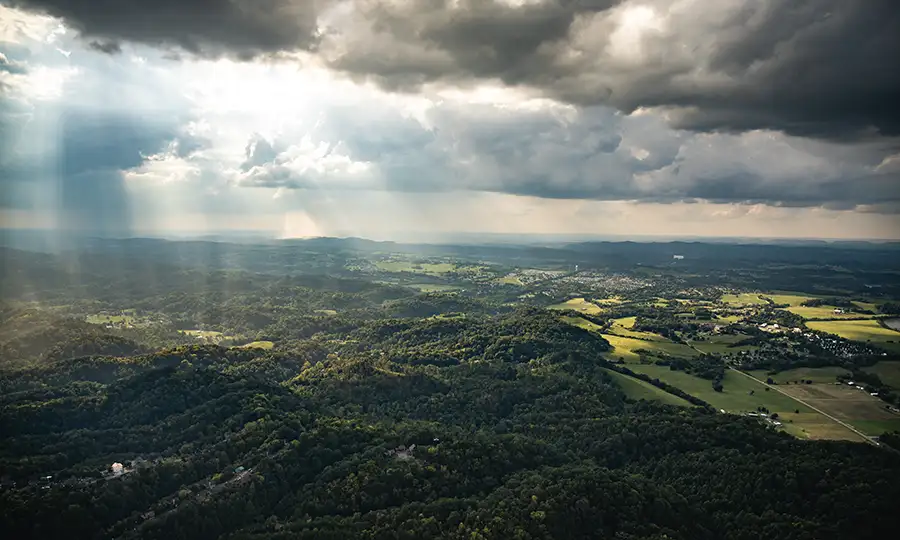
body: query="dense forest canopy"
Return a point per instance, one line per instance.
(141, 399)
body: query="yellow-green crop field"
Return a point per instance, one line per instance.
(743, 394)
(789, 298)
(742, 299)
(578, 304)
(721, 344)
(851, 405)
(822, 312)
(823, 375)
(628, 349)
(623, 327)
(419, 268)
(866, 330)
(258, 345)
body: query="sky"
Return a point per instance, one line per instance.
(382, 118)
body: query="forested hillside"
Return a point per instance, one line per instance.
(496, 428)
(371, 410)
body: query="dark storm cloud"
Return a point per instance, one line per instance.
(108, 47)
(816, 68)
(836, 194)
(812, 68)
(820, 68)
(594, 154)
(92, 141)
(77, 170)
(241, 28)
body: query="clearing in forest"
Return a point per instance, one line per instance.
(742, 394)
(824, 312)
(430, 268)
(578, 304)
(628, 349)
(888, 372)
(257, 345)
(822, 375)
(638, 389)
(624, 327)
(722, 343)
(791, 299)
(511, 279)
(849, 404)
(742, 299)
(433, 287)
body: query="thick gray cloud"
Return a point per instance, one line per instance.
(592, 153)
(108, 47)
(259, 152)
(821, 68)
(242, 28)
(67, 157)
(818, 68)
(134, 125)
(79, 176)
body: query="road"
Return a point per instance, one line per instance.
(818, 410)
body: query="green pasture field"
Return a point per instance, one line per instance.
(865, 330)
(888, 372)
(822, 312)
(815, 426)
(720, 343)
(578, 304)
(792, 299)
(626, 349)
(257, 345)
(435, 269)
(822, 375)
(870, 306)
(742, 299)
(623, 327)
(210, 336)
(202, 333)
(109, 319)
(582, 323)
(851, 405)
(638, 389)
(433, 287)
(736, 398)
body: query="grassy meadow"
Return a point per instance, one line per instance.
(861, 330)
(822, 375)
(822, 312)
(742, 299)
(851, 405)
(888, 372)
(638, 389)
(258, 345)
(578, 304)
(798, 419)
